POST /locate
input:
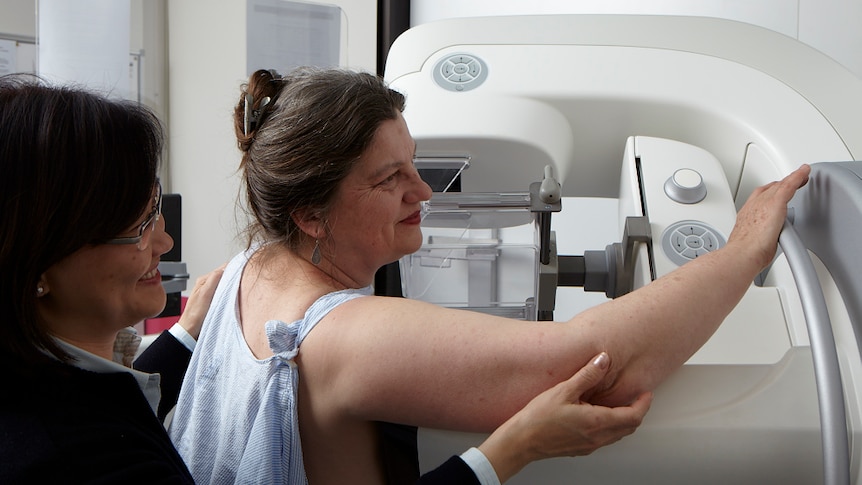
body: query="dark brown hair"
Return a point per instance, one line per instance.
(306, 140)
(77, 169)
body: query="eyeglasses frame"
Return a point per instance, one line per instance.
(153, 218)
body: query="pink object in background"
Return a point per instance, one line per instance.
(156, 325)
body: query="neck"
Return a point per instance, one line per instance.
(85, 332)
(282, 261)
(103, 346)
(340, 279)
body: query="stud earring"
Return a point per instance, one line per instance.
(40, 290)
(315, 254)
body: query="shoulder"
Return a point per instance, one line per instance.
(371, 302)
(387, 310)
(368, 324)
(165, 354)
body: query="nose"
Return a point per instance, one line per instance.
(420, 191)
(162, 241)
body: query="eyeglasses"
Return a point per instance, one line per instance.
(145, 232)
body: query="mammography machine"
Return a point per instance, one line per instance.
(657, 128)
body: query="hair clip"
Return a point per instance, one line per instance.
(252, 116)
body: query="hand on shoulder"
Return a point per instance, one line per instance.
(199, 301)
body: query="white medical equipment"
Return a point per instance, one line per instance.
(701, 111)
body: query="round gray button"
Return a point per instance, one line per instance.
(460, 72)
(687, 240)
(685, 186)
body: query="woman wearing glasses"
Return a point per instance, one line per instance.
(80, 241)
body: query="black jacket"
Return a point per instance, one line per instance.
(62, 424)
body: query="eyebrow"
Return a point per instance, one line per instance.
(385, 169)
(389, 166)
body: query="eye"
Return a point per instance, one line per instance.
(389, 179)
(151, 217)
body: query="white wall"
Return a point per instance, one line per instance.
(831, 26)
(207, 64)
(18, 24)
(18, 17)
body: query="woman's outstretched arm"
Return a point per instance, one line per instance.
(398, 360)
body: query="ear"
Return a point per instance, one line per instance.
(309, 221)
(42, 288)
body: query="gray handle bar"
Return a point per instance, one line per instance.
(827, 373)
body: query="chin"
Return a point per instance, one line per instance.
(157, 306)
(409, 250)
(414, 242)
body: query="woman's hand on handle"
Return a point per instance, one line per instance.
(760, 220)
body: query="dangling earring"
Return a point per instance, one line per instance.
(315, 253)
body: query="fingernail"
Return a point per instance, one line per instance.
(602, 361)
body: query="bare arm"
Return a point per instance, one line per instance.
(406, 361)
(665, 322)
(558, 422)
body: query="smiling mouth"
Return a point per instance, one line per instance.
(151, 274)
(414, 218)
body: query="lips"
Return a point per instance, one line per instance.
(414, 218)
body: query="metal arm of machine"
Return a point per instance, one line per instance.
(544, 199)
(622, 254)
(827, 374)
(611, 270)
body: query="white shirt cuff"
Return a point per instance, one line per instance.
(184, 337)
(477, 461)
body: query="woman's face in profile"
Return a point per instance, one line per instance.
(105, 287)
(376, 213)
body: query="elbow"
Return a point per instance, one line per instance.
(620, 388)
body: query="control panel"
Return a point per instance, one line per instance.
(683, 191)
